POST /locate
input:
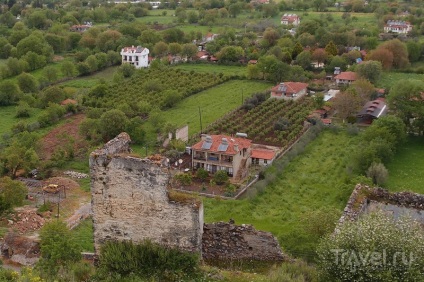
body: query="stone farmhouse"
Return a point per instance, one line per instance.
(346, 77)
(401, 27)
(290, 19)
(222, 152)
(289, 90)
(136, 56)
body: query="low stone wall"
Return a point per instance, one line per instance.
(406, 199)
(228, 242)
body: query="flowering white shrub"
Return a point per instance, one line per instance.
(375, 248)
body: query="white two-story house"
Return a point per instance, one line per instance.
(222, 152)
(137, 56)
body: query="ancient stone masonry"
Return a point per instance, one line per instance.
(130, 201)
(365, 199)
(228, 242)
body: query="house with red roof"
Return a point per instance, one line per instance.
(372, 110)
(136, 56)
(401, 27)
(290, 19)
(289, 90)
(222, 152)
(346, 77)
(79, 27)
(262, 157)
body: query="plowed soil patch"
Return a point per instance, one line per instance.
(60, 135)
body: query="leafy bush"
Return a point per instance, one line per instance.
(377, 247)
(378, 173)
(220, 177)
(146, 260)
(202, 174)
(183, 178)
(12, 193)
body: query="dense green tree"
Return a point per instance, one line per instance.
(12, 193)
(53, 94)
(18, 157)
(35, 43)
(112, 123)
(175, 48)
(50, 74)
(304, 59)
(160, 49)
(406, 98)
(230, 54)
(9, 93)
(58, 248)
(189, 50)
(331, 49)
(34, 60)
(414, 51)
(173, 35)
(370, 70)
(27, 83)
(399, 51)
(68, 69)
(336, 61)
(108, 40)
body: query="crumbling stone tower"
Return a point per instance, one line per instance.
(130, 201)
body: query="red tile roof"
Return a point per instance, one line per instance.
(133, 49)
(263, 154)
(346, 75)
(291, 87)
(217, 140)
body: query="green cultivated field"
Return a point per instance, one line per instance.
(214, 68)
(214, 103)
(406, 169)
(315, 179)
(7, 118)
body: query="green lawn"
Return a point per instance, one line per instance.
(7, 118)
(388, 79)
(315, 179)
(214, 103)
(83, 235)
(214, 68)
(406, 169)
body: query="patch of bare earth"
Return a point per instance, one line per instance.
(63, 135)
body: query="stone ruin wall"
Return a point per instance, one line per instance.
(363, 195)
(130, 201)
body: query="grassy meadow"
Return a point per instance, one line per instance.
(92, 80)
(83, 235)
(8, 119)
(388, 79)
(315, 179)
(405, 170)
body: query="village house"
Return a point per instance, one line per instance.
(290, 19)
(136, 56)
(346, 77)
(372, 110)
(222, 152)
(289, 90)
(262, 157)
(401, 27)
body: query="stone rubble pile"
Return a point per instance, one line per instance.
(75, 174)
(228, 242)
(25, 221)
